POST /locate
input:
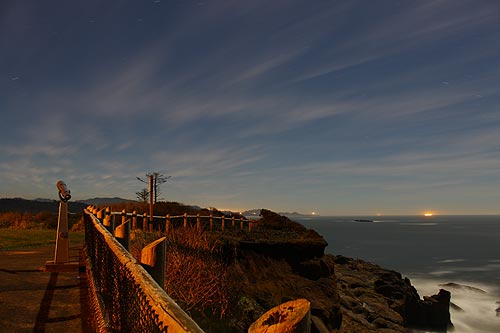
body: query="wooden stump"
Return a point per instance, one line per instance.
(289, 317)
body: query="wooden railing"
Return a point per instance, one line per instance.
(145, 222)
(124, 297)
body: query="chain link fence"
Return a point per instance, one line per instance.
(124, 297)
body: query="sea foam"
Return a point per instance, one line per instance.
(476, 312)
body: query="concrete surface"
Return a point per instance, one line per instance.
(32, 300)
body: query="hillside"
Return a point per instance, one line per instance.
(105, 201)
(35, 206)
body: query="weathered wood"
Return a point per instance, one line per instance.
(185, 220)
(122, 234)
(198, 224)
(100, 214)
(222, 223)
(145, 222)
(211, 222)
(62, 237)
(164, 307)
(108, 222)
(232, 222)
(167, 223)
(153, 258)
(124, 216)
(289, 317)
(134, 220)
(241, 223)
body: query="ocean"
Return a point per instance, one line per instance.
(431, 251)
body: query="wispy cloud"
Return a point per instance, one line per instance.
(274, 98)
(203, 161)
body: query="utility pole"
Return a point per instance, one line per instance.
(150, 183)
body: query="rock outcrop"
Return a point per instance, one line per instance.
(278, 237)
(457, 286)
(374, 299)
(286, 261)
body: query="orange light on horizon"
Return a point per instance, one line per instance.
(428, 214)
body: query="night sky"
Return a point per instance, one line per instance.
(338, 107)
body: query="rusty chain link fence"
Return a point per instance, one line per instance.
(123, 296)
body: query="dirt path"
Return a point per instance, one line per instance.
(32, 300)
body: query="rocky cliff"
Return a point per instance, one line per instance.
(282, 260)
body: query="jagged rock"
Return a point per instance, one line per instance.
(318, 326)
(434, 312)
(313, 269)
(280, 260)
(374, 299)
(270, 282)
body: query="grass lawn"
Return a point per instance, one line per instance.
(12, 238)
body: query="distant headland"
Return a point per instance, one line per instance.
(256, 212)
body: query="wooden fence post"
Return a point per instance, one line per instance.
(153, 259)
(167, 223)
(99, 214)
(108, 223)
(145, 222)
(241, 223)
(222, 223)
(198, 224)
(134, 220)
(185, 220)
(124, 216)
(232, 222)
(211, 222)
(122, 234)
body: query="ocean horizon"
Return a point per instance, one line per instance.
(433, 252)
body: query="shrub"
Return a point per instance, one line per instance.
(197, 276)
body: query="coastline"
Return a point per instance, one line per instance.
(346, 294)
(431, 252)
